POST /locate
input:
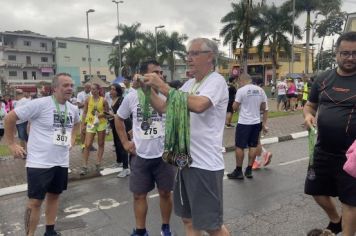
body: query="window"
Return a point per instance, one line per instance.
(98, 72)
(44, 59)
(11, 57)
(62, 45)
(84, 58)
(98, 59)
(267, 55)
(67, 59)
(12, 73)
(297, 56)
(84, 72)
(43, 45)
(45, 74)
(27, 43)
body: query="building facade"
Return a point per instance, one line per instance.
(72, 57)
(26, 60)
(351, 22)
(260, 68)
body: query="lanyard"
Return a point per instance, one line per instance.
(62, 119)
(196, 85)
(144, 101)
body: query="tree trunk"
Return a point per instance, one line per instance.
(307, 47)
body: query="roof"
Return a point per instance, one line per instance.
(25, 33)
(83, 40)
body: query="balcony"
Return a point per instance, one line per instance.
(11, 48)
(25, 65)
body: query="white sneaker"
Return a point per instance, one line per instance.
(124, 173)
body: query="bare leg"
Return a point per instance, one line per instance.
(52, 201)
(348, 220)
(251, 155)
(219, 232)
(189, 230)
(239, 154)
(101, 145)
(32, 216)
(89, 138)
(328, 205)
(140, 209)
(165, 205)
(228, 118)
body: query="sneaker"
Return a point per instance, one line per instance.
(256, 165)
(98, 167)
(236, 174)
(116, 165)
(134, 233)
(93, 149)
(248, 173)
(53, 233)
(335, 227)
(166, 231)
(267, 157)
(124, 173)
(83, 170)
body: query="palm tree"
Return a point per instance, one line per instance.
(172, 46)
(274, 24)
(113, 61)
(130, 35)
(237, 29)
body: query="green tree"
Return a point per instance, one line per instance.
(130, 35)
(239, 23)
(324, 60)
(274, 26)
(172, 46)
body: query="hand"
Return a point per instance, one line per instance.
(17, 151)
(265, 129)
(129, 146)
(153, 80)
(309, 121)
(130, 133)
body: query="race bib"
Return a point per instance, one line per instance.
(155, 131)
(61, 139)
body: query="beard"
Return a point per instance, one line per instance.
(347, 69)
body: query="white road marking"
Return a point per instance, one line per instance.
(269, 140)
(299, 134)
(294, 161)
(13, 189)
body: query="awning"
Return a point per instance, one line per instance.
(47, 70)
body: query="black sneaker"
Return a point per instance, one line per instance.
(53, 233)
(335, 227)
(236, 174)
(248, 173)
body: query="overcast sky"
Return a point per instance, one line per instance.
(65, 18)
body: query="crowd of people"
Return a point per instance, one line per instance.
(136, 113)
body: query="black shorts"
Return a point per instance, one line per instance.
(41, 181)
(2, 131)
(330, 179)
(247, 135)
(229, 107)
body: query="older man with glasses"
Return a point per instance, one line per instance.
(198, 191)
(333, 97)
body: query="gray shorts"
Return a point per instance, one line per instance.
(201, 192)
(281, 98)
(146, 172)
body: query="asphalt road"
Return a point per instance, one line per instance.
(272, 203)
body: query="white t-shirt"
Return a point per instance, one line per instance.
(300, 86)
(282, 88)
(149, 144)
(3, 113)
(81, 97)
(108, 98)
(207, 128)
(19, 103)
(250, 98)
(44, 119)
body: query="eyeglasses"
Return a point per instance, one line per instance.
(158, 72)
(196, 53)
(347, 54)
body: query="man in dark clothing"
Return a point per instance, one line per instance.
(333, 96)
(229, 110)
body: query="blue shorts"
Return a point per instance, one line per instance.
(247, 135)
(22, 131)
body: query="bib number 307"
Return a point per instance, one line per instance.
(61, 139)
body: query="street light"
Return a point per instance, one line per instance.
(118, 32)
(157, 27)
(89, 58)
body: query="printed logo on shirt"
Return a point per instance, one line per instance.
(253, 92)
(154, 115)
(57, 121)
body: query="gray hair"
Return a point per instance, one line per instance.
(208, 45)
(55, 80)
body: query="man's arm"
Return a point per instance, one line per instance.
(264, 117)
(10, 126)
(309, 112)
(236, 106)
(129, 146)
(158, 103)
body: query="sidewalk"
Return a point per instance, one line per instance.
(12, 171)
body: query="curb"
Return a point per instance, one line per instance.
(108, 171)
(276, 139)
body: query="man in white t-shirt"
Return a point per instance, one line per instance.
(54, 124)
(281, 93)
(81, 98)
(200, 187)
(250, 100)
(147, 166)
(21, 125)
